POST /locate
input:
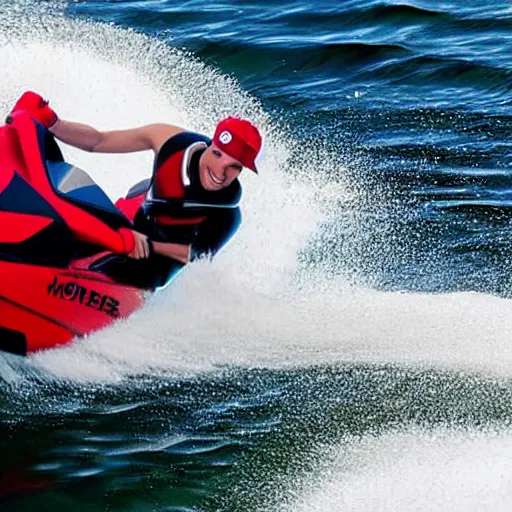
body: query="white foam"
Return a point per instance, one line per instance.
(416, 470)
(209, 319)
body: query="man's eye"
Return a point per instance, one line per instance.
(216, 153)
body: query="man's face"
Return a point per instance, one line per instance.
(217, 169)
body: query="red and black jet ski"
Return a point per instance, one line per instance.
(53, 286)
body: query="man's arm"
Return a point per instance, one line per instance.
(86, 137)
(213, 234)
(178, 252)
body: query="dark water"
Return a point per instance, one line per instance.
(411, 100)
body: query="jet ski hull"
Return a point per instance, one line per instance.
(42, 307)
(54, 284)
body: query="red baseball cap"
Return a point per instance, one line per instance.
(240, 139)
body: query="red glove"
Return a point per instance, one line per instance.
(37, 107)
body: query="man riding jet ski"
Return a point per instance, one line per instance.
(189, 206)
(104, 257)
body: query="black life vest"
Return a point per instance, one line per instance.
(172, 202)
(173, 196)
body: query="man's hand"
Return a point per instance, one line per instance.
(38, 108)
(142, 248)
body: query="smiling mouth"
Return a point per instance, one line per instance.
(214, 178)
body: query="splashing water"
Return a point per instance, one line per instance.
(90, 74)
(245, 308)
(412, 470)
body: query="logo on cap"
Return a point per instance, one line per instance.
(225, 137)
